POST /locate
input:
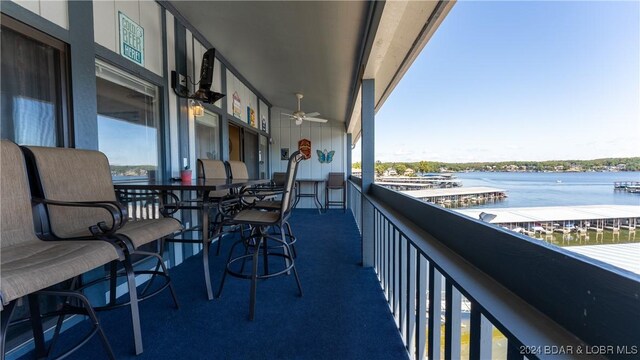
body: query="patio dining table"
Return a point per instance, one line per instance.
(178, 189)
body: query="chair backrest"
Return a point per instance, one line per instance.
(238, 170)
(211, 169)
(71, 175)
(336, 180)
(278, 179)
(16, 217)
(290, 180)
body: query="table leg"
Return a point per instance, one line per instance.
(205, 248)
(315, 197)
(298, 185)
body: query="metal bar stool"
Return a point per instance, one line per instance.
(256, 244)
(335, 182)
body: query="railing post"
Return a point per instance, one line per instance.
(368, 168)
(481, 329)
(435, 313)
(452, 322)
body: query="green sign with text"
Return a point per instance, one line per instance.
(131, 39)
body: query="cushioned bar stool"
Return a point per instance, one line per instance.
(64, 175)
(214, 169)
(256, 243)
(29, 265)
(278, 179)
(238, 171)
(335, 182)
(277, 186)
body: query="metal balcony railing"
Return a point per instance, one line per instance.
(544, 300)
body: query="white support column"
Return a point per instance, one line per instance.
(349, 164)
(368, 168)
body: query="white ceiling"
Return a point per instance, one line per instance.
(283, 47)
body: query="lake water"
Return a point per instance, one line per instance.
(554, 189)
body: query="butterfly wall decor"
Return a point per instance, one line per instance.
(325, 156)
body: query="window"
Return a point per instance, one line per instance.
(128, 122)
(208, 136)
(33, 105)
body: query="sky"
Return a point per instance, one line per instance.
(514, 80)
(127, 143)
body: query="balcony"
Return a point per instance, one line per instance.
(409, 304)
(388, 278)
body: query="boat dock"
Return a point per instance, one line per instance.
(628, 186)
(565, 219)
(459, 196)
(402, 186)
(435, 181)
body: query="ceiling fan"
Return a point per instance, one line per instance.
(299, 116)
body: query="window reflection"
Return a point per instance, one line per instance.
(34, 122)
(128, 123)
(31, 91)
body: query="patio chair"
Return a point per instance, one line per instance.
(237, 170)
(256, 243)
(277, 185)
(70, 175)
(29, 265)
(335, 182)
(278, 179)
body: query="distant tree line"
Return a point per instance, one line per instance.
(131, 170)
(608, 164)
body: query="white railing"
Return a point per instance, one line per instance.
(355, 202)
(444, 306)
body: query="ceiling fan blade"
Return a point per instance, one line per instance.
(286, 114)
(313, 114)
(316, 120)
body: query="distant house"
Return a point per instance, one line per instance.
(390, 172)
(409, 172)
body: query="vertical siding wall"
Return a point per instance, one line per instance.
(55, 11)
(145, 13)
(330, 136)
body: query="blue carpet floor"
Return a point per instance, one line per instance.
(342, 315)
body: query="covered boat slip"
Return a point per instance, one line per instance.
(457, 196)
(627, 214)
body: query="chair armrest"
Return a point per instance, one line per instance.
(261, 193)
(273, 189)
(166, 208)
(117, 211)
